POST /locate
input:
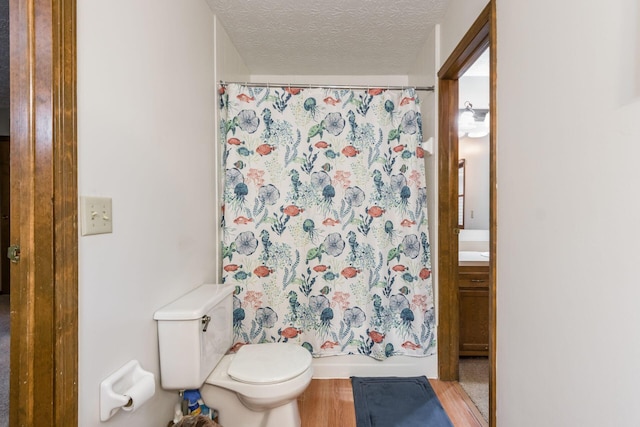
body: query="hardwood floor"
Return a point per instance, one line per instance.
(330, 403)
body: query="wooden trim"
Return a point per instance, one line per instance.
(480, 36)
(65, 216)
(493, 211)
(43, 214)
(448, 322)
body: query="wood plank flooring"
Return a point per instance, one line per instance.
(330, 403)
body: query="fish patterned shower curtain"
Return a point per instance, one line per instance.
(325, 220)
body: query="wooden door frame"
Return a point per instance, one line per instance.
(481, 35)
(44, 294)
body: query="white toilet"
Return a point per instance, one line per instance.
(257, 386)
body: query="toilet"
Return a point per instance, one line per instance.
(257, 386)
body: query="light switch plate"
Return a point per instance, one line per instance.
(95, 215)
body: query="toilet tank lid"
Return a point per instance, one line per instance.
(195, 304)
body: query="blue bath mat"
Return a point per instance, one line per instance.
(397, 402)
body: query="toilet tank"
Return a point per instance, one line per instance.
(194, 332)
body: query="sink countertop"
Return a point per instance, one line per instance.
(473, 258)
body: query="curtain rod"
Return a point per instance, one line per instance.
(315, 86)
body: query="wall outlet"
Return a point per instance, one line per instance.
(95, 213)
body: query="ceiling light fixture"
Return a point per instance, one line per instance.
(472, 124)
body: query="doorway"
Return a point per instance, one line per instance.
(473, 239)
(477, 39)
(5, 210)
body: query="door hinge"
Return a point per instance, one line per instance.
(13, 253)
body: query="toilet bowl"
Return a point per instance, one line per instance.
(259, 385)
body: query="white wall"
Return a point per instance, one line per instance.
(229, 66)
(146, 139)
(424, 73)
(457, 20)
(568, 341)
(346, 79)
(474, 89)
(475, 152)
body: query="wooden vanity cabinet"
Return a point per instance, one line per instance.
(473, 292)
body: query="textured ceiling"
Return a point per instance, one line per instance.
(328, 37)
(4, 53)
(305, 37)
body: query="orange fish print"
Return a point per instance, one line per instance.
(376, 336)
(292, 90)
(231, 267)
(245, 98)
(425, 273)
(407, 223)
(243, 220)
(328, 344)
(322, 144)
(407, 100)
(262, 271)
(236, 347)
(375, 211)
(264, 149)
(398, 268)
(290, 332)
(350, 151)
(375, 91)
(398, 148)
(410, 345)
(221, 90)
(292, 210)
(234, 141)
(320, 268)
(350, 272)
(420, 152)
(330, 222)
(331, 101)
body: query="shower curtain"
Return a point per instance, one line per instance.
(324, 220)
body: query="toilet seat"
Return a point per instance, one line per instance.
(269, 363)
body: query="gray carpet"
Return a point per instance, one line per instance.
(5, 338)
(474, 379)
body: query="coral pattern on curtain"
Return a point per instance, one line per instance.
(325, 220)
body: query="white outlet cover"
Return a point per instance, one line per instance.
(95, 214)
